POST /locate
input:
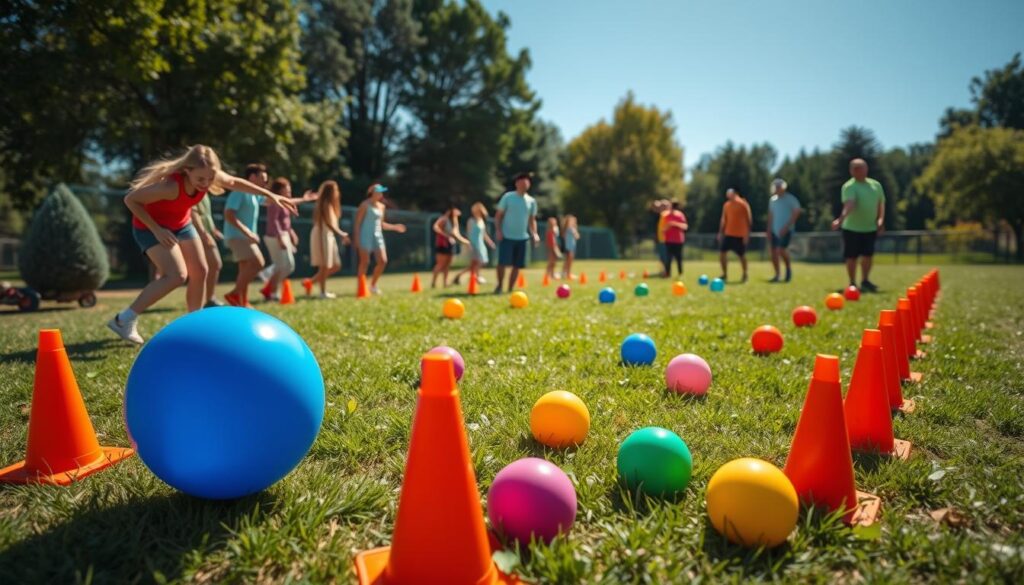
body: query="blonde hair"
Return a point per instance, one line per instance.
(328, 200)
(481, 207)
(196, 157)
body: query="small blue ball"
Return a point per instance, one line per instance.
(607, 295)
(703, 280)
(717, 285)
(224, 402)
(638, 350)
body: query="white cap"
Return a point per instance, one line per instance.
(779, 183)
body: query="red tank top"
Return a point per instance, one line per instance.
(172, 214)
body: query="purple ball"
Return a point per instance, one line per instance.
(457, 361)
(531, 497)
(563, 291)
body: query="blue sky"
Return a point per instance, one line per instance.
(789, 72)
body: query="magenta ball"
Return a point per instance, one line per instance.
(457, 361)
(688, 374)
(563, 291)
(531, 497)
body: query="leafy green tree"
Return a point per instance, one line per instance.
(613, 170)
(805, 175)
(978, 174)
(914, 208)
(534, 147)
(62, 250)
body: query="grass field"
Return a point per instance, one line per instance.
(124, 525)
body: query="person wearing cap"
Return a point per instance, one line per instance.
(862, 219)
(515, 223)
(734, 231)
(368, 233)
(783, 211)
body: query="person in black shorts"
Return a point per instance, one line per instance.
(862, 219)
(446, 233)
(734, 231)
(515, 224)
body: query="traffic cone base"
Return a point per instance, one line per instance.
(307, 283)
(20, 473)
(926, 338)
(901, 449)
(920, 355)
(371, 564)
(915, 378)
(929, 325)
(869, 507)
(908, 406)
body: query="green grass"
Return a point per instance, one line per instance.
(124, 525)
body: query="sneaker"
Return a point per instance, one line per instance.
(264, 275)
(497, 291)
(744, 279)
(481, 280)
(328, 295)
(456, 280)
(266, 292)
(213, 303)
(789, 275)
(774, 278)
(868, 286)
(128, 331)
(233, 299)
(375, 290)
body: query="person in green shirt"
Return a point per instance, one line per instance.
(862, 219)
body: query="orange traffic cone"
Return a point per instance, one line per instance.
(583, 278)
(622, 275)
(361, 290)
(546, 281)
(307, 283)
(439, 535)
(920, 314)
(473, 285)
(868, 416)
(909, 350)
(603, 277)
(907, 320)
(820, 464)
(416, 286)
(62, 446)
(646, 274)
(895, 369)
(521, 283)
(287, 298)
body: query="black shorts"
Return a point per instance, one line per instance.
(734, 244)
(858, 244)
(443, 250)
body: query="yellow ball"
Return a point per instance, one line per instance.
(752, 503)
(454, 309)
(560, 419)
(518, 299)
(678, 288)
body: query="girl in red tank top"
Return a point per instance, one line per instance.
(161, 200)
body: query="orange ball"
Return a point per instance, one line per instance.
(834, 301)
(678, 288)
(804, 316)
(766, 339)
(453, 309)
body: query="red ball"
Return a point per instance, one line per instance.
(804, 316)
(851, 293)
(766, 339)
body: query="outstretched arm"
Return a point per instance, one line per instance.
(232, 183)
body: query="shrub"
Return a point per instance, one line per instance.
(62, 251)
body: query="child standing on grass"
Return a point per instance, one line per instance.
(323, 244)
(479, 241)
(280, 239)
(551, 240)
(202, 220)
(369, 233)
(446, 233)
(161, 200)
(570, 235)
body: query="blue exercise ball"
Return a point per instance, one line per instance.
(717, 285)
(638, 350)
(607, 295)
(224, 402)
(703, 280)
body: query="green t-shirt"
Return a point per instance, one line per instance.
(866, 196)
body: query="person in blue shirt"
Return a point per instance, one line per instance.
(515, 224)
(783, 211)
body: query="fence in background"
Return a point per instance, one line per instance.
(413, 250)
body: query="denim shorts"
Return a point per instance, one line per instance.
(146, 240)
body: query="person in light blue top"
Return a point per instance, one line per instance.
(515, 224)
(783, 211)
(570, 235)
(368, 236)
(479, 241)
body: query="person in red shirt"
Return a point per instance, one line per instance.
(161, 200)
(675, 236)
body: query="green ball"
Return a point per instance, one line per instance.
(641, 290)
(656, 461)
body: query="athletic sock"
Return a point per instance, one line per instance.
(126, 316)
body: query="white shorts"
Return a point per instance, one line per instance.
(324, 245)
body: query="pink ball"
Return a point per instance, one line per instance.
(531, 497)
(563, 291)
(688, 374)
(457, 361)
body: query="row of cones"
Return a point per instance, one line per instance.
(820, 462)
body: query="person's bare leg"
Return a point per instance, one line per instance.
(382, 261)
(364, 262)
(568, 264)
(435, 271)
(865, 267)
(501, 277)
(195, 264)
(775, 261)
(170, 264)
(213, 266)
(723, 259)
(321, 278)
(247, 272)
(512, 278)
(447, 269)
(743, 263)
(784, 253)
(851, 269)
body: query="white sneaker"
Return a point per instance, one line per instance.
(481, 280)
(127, 331)
(375, 290)
(264, 275)
(328, 295)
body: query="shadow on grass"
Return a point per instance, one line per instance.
(535, 448)
(86, 351)
(870, 462)
(127, 543)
